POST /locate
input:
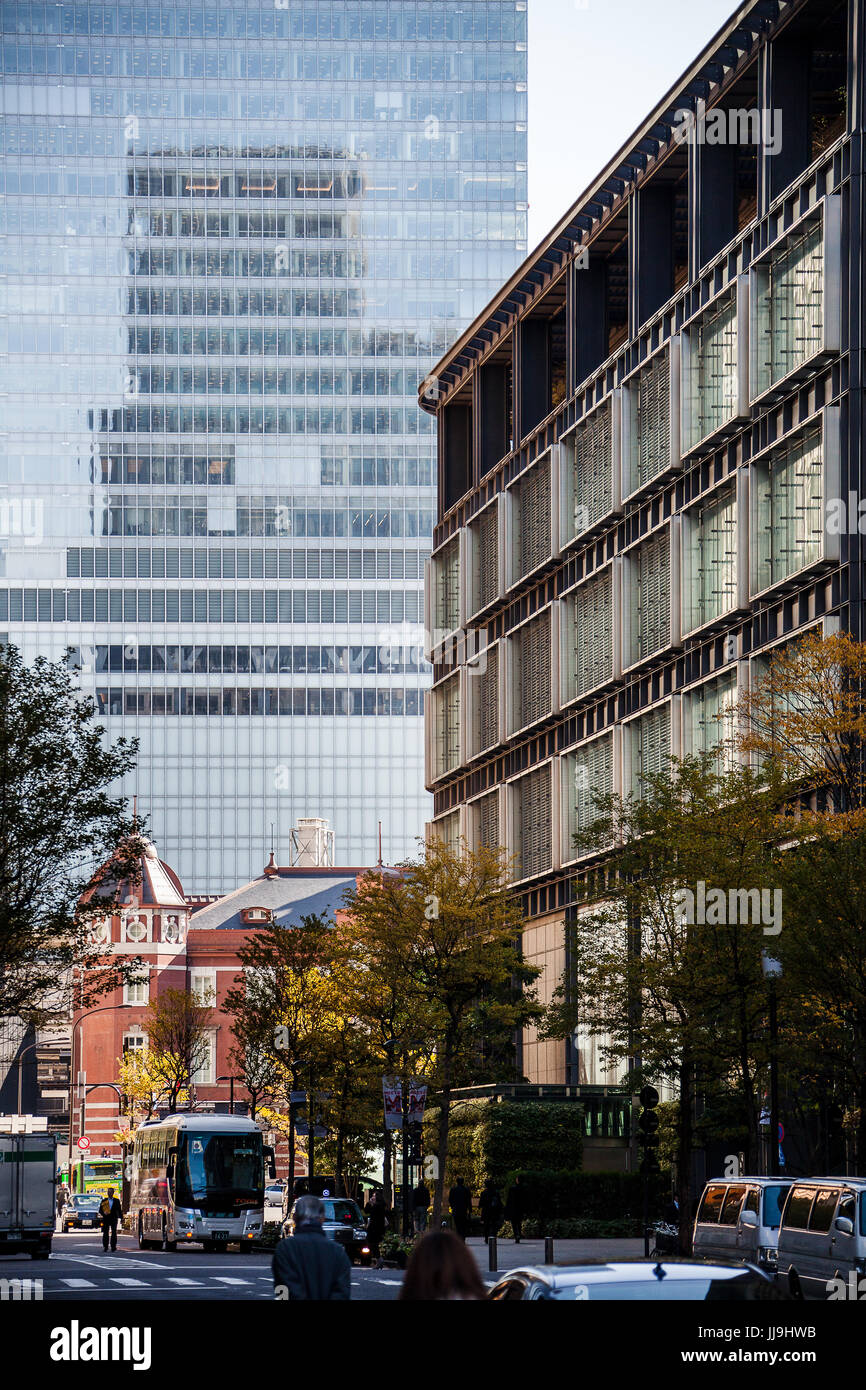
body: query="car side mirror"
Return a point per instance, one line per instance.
(844, 1225)
(750, 1219)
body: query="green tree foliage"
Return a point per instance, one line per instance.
(496, 1139)
(65, 842)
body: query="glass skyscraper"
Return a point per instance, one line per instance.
(234, 239)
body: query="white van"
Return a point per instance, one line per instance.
(823, 1238)
(738, 1220)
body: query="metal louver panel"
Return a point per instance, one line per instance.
(486, 684)
(447, 726)
(715, 589)
(791, 306)
(653, 442)
(487, 821)
(593, 468)
(534, 822)
(533, 658)
(533, 518)
(448, 587)
(593, 633)
(712, 384)
(653, 746)
(448, 831)
(712, 719)
(653, 627)
(486, 558)
(790, 523)
(592, 778)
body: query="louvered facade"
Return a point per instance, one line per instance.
(446, 708)
(591, 628)
(789, 308)
(588, 775)
(593, 463)
(532, 672)
(446, 569)
(533, 822)
(789, 509)
(711, 564)
(650, 747)
(650, 407)
(484, 694)
(651, 597)
(485, 565)
(447, 829)
(485, 812)
(711, 373)
(532, 519)
(664, 406)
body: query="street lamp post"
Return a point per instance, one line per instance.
(22, 1054)
(103, 1008)
(772, 970)
(231, 1080)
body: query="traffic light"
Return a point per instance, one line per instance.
(648, 1124)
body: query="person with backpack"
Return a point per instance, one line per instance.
(110, 1213)
(490, 1204)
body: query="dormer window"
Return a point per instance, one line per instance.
(255, 914)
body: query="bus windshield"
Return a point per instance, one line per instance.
(220, 1172)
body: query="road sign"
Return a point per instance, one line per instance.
(649, 1097)
(781, 1132)
(84, 1143)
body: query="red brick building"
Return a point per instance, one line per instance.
(193, 945)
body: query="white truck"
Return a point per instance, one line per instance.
(28, 1187)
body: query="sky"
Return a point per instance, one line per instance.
(596, 68)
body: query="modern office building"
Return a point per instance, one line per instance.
(236, 237)
(646, 443)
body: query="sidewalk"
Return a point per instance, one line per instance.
(565, 1252)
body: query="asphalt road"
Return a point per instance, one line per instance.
(78, 1270)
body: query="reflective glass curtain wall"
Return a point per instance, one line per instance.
(237, 237)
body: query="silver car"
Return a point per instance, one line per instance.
(636, 1281)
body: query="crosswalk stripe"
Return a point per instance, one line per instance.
(226, 1279)
(79, 1283)
(136, 1283)
(187, 1283)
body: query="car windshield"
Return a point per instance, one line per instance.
(344, 1211)
(774, 1198)
(85, 1202)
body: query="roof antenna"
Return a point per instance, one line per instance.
(272, 837)
(380, 845)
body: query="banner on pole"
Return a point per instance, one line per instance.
(392, 1093)
(415, 1102)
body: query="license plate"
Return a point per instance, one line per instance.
(87, 1223)
(220, 1235)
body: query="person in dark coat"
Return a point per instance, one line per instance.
(110, 1213)
(460, 1203)
(307, 1265)
(420, 1205)
(377, 1224)
(490, 1204)
(515, 1207)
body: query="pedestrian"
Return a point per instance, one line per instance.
(307, 1265)
(420, 1205)
(460, 1203)
(490, 1204)
(62, 1195)
(377, 1224)
(515, 1207)
(110, 1213)
(671, 1213)
(442, 1269)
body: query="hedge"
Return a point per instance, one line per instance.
(493, 1140)
(608, 1197)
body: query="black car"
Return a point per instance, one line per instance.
(344, 1223)
(81, 1211)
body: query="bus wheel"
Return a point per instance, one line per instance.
(142, 1243)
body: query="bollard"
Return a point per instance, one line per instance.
(492, 1261)
(548, 1250)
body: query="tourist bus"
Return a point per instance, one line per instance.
(198, 1179)
(93, 1175)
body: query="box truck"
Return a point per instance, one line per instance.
(28, 1186)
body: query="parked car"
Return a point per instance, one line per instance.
(344, 1223)
(274, 1201)
(823, 1237)
(637, 1281)
(738, 1219)
(80, 1211)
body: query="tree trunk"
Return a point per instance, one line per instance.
(444, 1124)
(684, 1155)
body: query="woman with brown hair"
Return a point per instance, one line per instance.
(442, 1269)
